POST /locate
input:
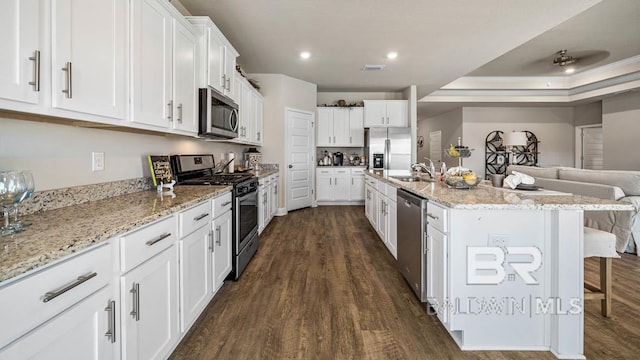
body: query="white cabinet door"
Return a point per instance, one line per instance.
(195, 275)
(229, 70)
(392, 229)
(324, 130)
(357, 188)
(149, 310)
(342, 187)
(76, 334)
(341, 127)
(375, 113)
(397, 113)
(261, 208)
(21, 58)
(382, 217)
(368, 202)
(265, 207)
(437, 271)
(221, 227)
(246, 112)
(184, 79)
(274, 196)
(374, 209)
(258, 112)
(88, 56)
(151, 64)
(324, 187)
(356, 127)
(215, 60)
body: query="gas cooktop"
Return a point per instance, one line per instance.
(217, 179)
(200, 170)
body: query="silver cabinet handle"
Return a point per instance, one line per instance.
(219, 235)
(228, 84)
(350, 140)
(329, 139)
(200, 217)
(210, 235)
(69, 89)
(383, 120)
(135, 311)
(111, 327)
(334, 139)
(159, 238)
(170, 105)
(36, 70)
(50, 295)
(224, 80)
(258, 135)
(330, 181)
(180, 113)
(336, 181)
(432, 216)
(351, 181)
(226, 203)
(387, 120)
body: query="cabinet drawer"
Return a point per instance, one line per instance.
(437, 216)
(194, 218)
(382, 187)
(341, 171)
(140, 245)
(221, 204)
(357, 171)
(324, 171)
(22, 303)
(370, 180)
(391, 192)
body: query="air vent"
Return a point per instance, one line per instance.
(372, 67)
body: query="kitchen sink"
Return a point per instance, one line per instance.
(411, 178)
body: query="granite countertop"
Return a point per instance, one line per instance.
(487, 197)
(263, 173)
(60, 232)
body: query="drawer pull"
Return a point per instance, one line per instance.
(226, 203)
(159, 238)
(432, 216)
(111, 331)
(210, 236)
(200, 217)
(218, 232)
(50, 295)
(135, 311)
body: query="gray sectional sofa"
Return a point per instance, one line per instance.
(623, 186)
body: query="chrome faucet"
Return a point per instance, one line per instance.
(431, 170)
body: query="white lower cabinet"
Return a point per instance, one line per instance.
(392, 227)
(267, 201)
(339, 184)
(221, 247)
(381, 210)
(437, 272)
(195, 275)
(86, 331)
(149, 312)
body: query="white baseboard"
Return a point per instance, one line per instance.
(281, 212)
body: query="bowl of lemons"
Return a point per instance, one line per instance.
(461, 178)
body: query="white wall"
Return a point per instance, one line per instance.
(411, 95)
(552, 125)
(280, 91)
(589, 114)
(450, 124)
(621, 131)
(331, 98)
(60, 155)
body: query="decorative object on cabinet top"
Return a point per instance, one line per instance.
(343, 103)
(252, 82)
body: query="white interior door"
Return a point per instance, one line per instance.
(592, 149)
(299, 150)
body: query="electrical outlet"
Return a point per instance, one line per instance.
(500, 240)
(97, 161)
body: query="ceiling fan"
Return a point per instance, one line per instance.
(583, 58)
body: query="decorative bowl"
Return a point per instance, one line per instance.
(458, 182)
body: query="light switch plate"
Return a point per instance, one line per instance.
(97, 161)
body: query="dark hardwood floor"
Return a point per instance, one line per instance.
(323, 286)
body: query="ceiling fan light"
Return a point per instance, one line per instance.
(570, 70)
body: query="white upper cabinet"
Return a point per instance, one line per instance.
(185, 86)
(218, 58)
(151, 63)
(386, 113)
(340, 127)
(89, 42)
(164, 68)
(21, 58)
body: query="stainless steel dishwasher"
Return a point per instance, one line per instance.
(412, 259)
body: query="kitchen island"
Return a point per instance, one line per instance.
(503, 268)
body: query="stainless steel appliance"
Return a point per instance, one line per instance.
(378, 161)
(412, 258)
(394, 144)
(199, 170)
(218, 115)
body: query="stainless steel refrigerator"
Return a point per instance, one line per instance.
(394, 143)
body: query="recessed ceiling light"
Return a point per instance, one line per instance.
(570, 71)
(305, 55)
(392, 55)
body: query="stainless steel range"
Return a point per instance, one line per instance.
(199, 170)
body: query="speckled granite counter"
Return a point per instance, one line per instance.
(264, 173)
(60, 232)
(488, 197)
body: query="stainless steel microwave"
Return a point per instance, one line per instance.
(218, 115)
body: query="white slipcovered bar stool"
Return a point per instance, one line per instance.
(603, 245)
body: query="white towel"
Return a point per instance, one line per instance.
(526, 179)
(513, 180)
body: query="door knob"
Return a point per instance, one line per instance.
(290, 166)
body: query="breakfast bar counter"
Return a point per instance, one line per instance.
(502, 269)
